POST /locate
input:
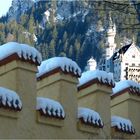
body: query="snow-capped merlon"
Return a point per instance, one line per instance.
(9, 99)
(122, 85)
(22, 50)
(49, 107)
(90, 116)
(101, 76)
(122, 124)
(66, 65)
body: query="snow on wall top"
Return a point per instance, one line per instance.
(102, 76)
(22, 50)
(49, 107)
(89, 116)
(132, 85)
(123, 124)
(10, 99)
(64, 63)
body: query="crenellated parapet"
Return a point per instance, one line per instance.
(125, 102)
(57, 80)
(94, 90)
(18, 67)
(56, 101)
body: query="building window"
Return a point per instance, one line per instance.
(133, 64)
(126, 63)
(133, 56)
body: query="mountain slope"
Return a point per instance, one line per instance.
(18, 8)
(76, 29)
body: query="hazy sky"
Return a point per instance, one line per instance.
(4, 6)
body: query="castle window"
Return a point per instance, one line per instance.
(133, 56)
(126, 63)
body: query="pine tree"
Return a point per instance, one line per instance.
(77, 46)
(31, 25)
(70, 53)
(55, 33)
(52, 48)
(65, 37)
(62, 54)
(66, 46)
(2, 38)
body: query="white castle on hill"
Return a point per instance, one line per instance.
(124, 62)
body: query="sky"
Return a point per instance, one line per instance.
(4, 6)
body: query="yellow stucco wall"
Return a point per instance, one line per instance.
(63, 88)
(120, 135)
(20, 77)
(97, 97)
(28, 123)
(127, 106)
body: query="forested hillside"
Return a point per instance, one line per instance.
(76, 29)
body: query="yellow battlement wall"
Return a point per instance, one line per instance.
(127, 105)
(20, 76)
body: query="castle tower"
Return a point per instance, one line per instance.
(110, 40)
(91, 64)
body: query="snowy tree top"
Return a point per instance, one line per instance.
(66, 65)
(90, 116)
(22, 50)
(123, 124)
(10, 99)
(102, 76)
(49, 107)
(122, 85)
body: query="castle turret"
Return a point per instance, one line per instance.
(91, 64)
(110, 40)
(106, 62)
